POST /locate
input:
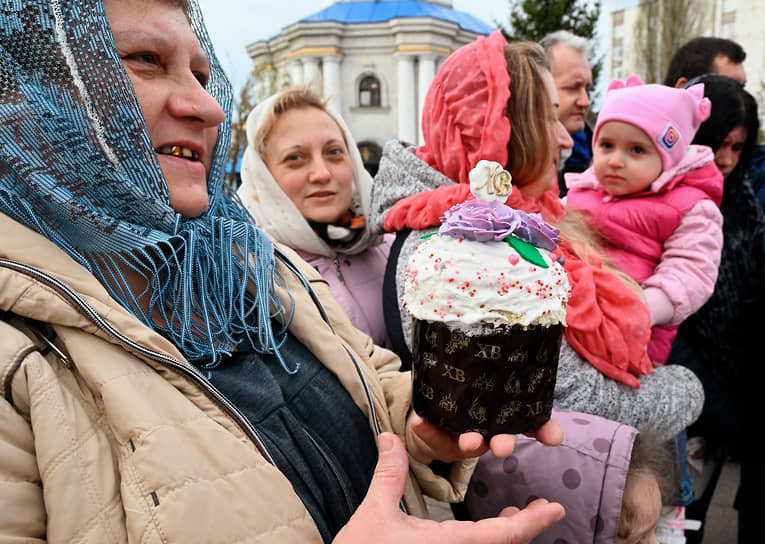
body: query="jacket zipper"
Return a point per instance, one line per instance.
(315, 298)
(188, 371)
(333, 469)
(377, 428)
(338, 271)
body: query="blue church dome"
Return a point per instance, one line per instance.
(385, 10)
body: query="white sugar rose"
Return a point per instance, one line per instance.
(490, 182)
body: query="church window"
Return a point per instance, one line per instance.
(369, 91)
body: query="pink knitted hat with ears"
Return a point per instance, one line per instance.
(670, 117)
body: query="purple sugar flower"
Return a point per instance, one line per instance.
(486, 221)
(480, 221)
(536, 232)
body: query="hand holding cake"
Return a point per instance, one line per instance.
(488, 299)
(426, 442)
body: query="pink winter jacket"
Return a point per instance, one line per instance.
(668, 238)
(357, 283)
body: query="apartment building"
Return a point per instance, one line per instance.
(742, 21)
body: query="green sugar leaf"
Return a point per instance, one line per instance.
(428, 235)
(527, 251)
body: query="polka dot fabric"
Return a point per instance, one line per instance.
(586, 474)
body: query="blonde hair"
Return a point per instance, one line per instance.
(291, 98)
(650, 457)
(589, 246)
(531, 113)
(529, 110)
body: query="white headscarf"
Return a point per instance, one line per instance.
(276, 214)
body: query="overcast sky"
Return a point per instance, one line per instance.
(233, 24)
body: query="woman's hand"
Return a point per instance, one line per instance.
(379, 520)
(426, 442)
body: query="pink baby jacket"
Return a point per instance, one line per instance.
(668, 238)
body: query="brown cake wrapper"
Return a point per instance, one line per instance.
(498, 382)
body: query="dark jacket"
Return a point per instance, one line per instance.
(724, 333)
(580, 159)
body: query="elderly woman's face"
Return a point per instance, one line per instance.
(169, 72)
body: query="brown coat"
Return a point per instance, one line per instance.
(108, 435)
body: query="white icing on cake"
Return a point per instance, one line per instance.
(468, 284)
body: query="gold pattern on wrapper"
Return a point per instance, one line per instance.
(484, 383)
(457, 341)
(429, 360)
(518, 356)
(477, 412)
(447, 403)
(535, 379)
(427, 391)
(513, 385)
(498, 382)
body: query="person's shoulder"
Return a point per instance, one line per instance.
(758, 153)
(303, 264)
(382, 250)
(757, 167)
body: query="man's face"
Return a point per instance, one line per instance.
(573, 79)
(726, 67)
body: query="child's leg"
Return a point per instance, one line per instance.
(686, 485)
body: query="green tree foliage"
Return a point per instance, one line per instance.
(533, 19)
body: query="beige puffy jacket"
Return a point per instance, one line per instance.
(108, 435)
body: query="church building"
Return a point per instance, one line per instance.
(373, 61)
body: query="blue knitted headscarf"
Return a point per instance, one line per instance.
(77, 166)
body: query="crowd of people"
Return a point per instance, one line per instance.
(184, 362)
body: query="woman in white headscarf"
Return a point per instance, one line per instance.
(304, 182)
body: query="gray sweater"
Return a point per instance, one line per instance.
(669, 399)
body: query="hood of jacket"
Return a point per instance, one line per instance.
(277, 215)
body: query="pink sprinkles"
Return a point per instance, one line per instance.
(497, 282)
